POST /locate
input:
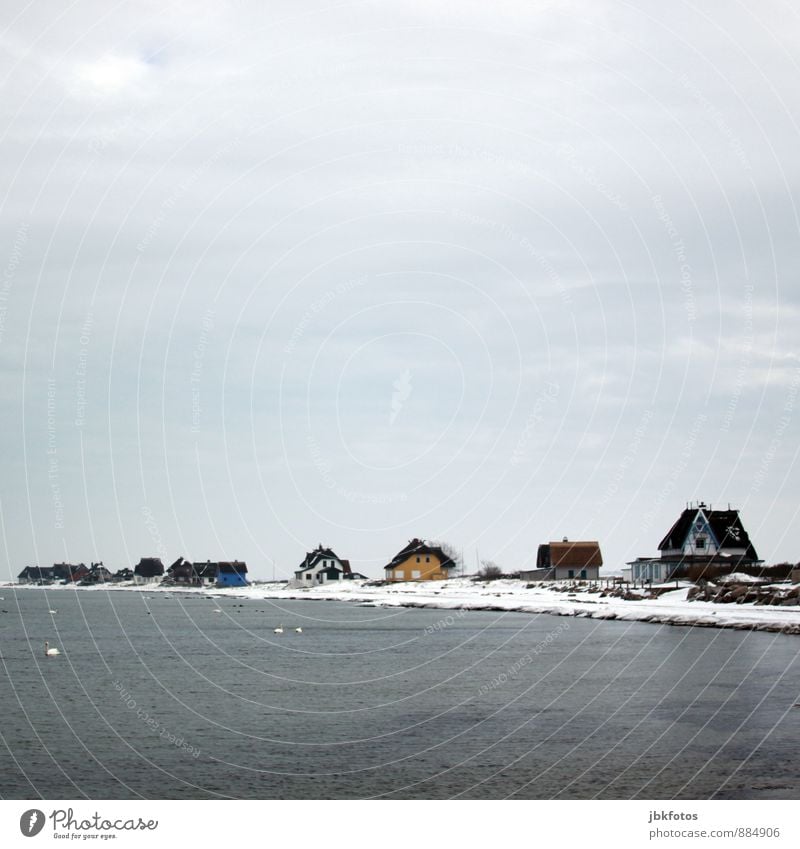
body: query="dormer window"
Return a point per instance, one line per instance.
(700, 542)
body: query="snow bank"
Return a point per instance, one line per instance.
(670, 608)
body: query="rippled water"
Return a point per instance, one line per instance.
(162, 697)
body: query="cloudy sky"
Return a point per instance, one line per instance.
(355, 272)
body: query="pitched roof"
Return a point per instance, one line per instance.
(419, 546)
(238, 567)
(580, 554)
(38, 572)
(205, 570)
(149, 567)
(66, 569)
(726, 526)
(320, 553)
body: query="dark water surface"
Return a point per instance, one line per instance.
(161, 697)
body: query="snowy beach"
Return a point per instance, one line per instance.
(672, 607)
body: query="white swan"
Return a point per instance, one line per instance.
(298, 630)
(48, 652)
(53, 611)
(278, 630)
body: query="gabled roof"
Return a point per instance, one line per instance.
(419, 546)
(205, 570)
(312, 558)
(38, 572)
(149, 567)
(725, 525)
(238, 567)
(580, 554)
(65, 569)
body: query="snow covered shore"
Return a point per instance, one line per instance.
(671, 608)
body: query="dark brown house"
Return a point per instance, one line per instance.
(148, 570)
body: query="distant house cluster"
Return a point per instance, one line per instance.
(149, 570)
(71, 573)
(702, 538)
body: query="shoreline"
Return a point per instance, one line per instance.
(504, 595)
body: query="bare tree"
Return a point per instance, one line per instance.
(450, 550)
(491, 571)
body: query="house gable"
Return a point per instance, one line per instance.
(321, 564)
(567, 559)
(703, 532)
(700, 538)
(419, 561)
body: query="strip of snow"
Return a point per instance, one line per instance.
(671, 608)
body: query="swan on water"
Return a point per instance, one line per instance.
(48, 652)
(278, 630)
(298, 630)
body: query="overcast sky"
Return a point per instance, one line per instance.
(351, 273)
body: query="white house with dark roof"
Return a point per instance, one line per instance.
(320, 566)
(700, 537)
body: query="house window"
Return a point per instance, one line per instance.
(308, 576)
(583, 574)
(427, 559)
(415, 575)
(419, 559)
(571, 573)
(700, 542)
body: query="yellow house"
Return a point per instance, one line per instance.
(419, 561)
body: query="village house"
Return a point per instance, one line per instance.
(419, 561)
(192, 574)
(232, 573)
(205, 574)
(699, 539)
(180, 572)
(149, 570)
(69, 573)
(566, 561)
(98, 574)
(36, 575)
(320, 566)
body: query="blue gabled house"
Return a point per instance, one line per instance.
(232, 574)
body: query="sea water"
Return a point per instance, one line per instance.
(183, 696)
